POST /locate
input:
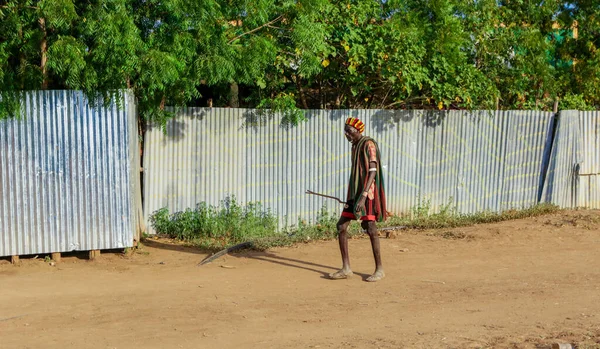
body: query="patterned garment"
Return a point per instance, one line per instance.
(364, 152)
(369, 213)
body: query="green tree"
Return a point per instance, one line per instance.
(580, 47)
(288, 55)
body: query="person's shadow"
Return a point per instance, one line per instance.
(296, 263)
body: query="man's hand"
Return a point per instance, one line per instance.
(361, 204)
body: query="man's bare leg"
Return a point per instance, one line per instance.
(342, 227)
(371, 229)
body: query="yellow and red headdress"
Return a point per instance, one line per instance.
(356, 123)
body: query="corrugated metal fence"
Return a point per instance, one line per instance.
(473, 161)
(573, 178)
(68, 175)
(589, 172)
(69, 171)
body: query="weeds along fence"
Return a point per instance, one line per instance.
(69, 175)
(473, 161)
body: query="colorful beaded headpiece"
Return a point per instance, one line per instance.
(356, 123)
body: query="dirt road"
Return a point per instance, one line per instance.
(517, 284)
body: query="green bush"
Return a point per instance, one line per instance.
(216, 226)
(575, 102)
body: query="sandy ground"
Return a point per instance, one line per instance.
(517, 284)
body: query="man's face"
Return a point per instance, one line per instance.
(352, 134)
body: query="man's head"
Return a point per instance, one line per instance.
(353, 129)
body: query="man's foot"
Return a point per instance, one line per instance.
(341, 274)
(378, 275)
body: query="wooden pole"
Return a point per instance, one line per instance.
(94, 254)
(15, 259)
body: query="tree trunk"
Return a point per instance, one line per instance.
(301, 92)
(321, 94)
(22, 60)
(163, 101)
(234, 95)
(338, 100)
(371, 97)
(44, 53)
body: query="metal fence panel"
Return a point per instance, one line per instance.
(589, 173)
(573, 178)
(66, 176)
(473, 161)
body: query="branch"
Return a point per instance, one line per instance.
(405, 101)
(393, 104)
(386, 95)
(255, 29)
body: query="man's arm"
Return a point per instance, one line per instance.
(371, 149)
(363, 197)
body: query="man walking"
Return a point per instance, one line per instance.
(366, 197)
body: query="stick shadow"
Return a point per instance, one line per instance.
(173, 247)
(297, 263)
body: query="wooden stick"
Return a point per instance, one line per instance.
(325, 196)
(434, 281)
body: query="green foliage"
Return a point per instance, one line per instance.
(422, 208)
(10, 104)
(66, 58)
(574, 102)
(423, 211)
(325, 228)
(216, 226)
(230, 223)
(290, 55)
(284, 104)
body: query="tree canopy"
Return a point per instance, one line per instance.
(286, 54)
